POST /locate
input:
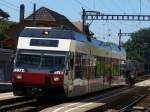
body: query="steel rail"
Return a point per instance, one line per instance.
(126, 108)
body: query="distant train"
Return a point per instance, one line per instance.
(132, 69)
(52, 61)
(136, 67)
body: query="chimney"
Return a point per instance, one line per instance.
(34, 15)
(22, 10)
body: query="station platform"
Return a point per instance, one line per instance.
(5, 87)
(145, 83)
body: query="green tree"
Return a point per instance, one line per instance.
(4, 27)
(138, 44)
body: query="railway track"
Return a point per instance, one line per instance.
(22, 104)
(142, 105)
(116, 99)
(130, 105)
(126, 102)
(121, 102)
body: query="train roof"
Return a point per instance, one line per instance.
(56, 33)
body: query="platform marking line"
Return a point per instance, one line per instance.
(79, 107)
(83, 106)
(58, 109)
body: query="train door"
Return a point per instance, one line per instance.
(80, 80)
(107, 72)
(95, 80)
(70, 72)
(89, 72)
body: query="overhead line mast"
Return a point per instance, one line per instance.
(96, 15)
(120, 34)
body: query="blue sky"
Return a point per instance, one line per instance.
(104, 30)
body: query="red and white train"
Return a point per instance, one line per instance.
(52, 61)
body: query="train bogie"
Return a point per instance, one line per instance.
(38, 90)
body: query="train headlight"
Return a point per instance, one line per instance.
(19, 76)
(56, 79)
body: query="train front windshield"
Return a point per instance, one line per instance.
(37, 61)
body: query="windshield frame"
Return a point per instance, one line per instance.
(42, 54)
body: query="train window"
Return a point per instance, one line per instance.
(53, 62)
(92, 67)
(78, 70)
(28, 60)
(106, 66)
(59, 60)
(98, 68)
(36, 61)
(71, 61)
(46, 43)
(115, 68)
(102, 66)
(47, 61)
(84, 67)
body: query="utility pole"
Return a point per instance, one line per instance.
(120, 34)
(119, 38)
